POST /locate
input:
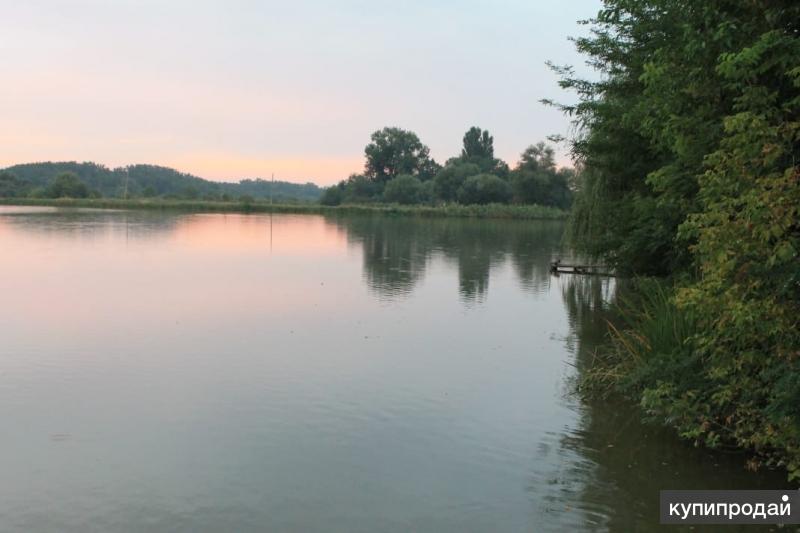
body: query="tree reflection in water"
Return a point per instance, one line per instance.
(91, 224)
(397, 251)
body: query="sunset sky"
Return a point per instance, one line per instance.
(237, 88)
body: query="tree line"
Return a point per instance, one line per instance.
(86, 180)
(690, 144)
(399, 169)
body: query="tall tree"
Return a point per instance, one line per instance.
(478, 143)
(538, 157)
(394, 151)
(478, 149)
(536, 180)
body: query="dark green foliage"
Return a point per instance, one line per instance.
(478, 143)
(691, 143)
(277, 190)
(404, 189)
(394, 151)
(450, 179)
(624, 147)
(150, 180)
(67, 185)
(478, 149)
(360, 188)
(484, 189)
(96, 177)
(10, 185)
(746, 238)
(536, 180)
(357, 189)
(333, 195)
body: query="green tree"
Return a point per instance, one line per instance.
(67, 185)
(333, 195)
(478, 143)
(450, 179)
(394, 151)
(538, 157)
(536, 180)
(404, 189)
(690, 142)
(478, 149)
(484, 189)
(10, 185)
(747, 234)
(362, 189)
(622, 218)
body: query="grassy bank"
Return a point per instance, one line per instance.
(522, 212)
(656, 358)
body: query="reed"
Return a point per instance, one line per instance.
(649, 340)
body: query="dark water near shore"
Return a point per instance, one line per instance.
(179, 372)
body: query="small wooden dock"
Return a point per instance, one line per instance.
(557, 268)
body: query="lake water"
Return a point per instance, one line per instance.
(213, 372)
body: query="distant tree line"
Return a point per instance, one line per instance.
(83, 180)
(399, 169)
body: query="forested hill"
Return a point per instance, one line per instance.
(151, 180)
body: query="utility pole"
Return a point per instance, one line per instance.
(271, 186)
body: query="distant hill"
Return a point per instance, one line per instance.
(152, 180)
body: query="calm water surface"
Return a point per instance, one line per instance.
(185, 372)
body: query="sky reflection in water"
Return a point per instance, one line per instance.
(246, 372)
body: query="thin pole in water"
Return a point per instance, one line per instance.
(271, 185)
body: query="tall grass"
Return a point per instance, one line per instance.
(650, 340)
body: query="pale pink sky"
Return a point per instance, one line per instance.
(239, 88)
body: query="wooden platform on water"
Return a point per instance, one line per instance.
(557, 267)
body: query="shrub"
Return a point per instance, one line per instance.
(450, 179)
(484, 189)
(67, 185)
(404, 189)
(332, 195)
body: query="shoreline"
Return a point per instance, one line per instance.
(495, 211)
